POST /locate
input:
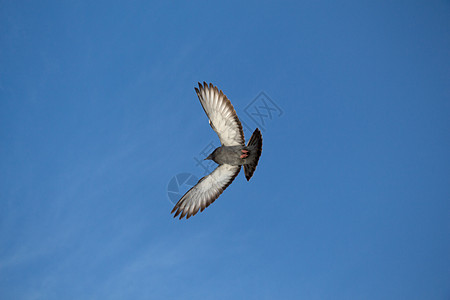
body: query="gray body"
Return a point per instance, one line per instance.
(231, 155)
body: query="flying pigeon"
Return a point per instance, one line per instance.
(230, 156)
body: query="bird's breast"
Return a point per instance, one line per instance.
(230, 155)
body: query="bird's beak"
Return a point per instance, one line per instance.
(209, 157)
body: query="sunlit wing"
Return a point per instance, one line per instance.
(222, 116)
(206, 191)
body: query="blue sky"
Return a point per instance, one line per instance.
(351, 197)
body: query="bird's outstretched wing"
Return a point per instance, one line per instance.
(221, 114)
(206, 191)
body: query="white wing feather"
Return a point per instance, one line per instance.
(206, 191)
(222, 116)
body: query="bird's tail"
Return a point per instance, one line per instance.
(254, 147)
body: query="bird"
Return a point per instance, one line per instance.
(230, 156)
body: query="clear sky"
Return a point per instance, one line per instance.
(98, 113)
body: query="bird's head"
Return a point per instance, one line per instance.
(212, 155)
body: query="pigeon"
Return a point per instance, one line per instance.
(230, 156)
